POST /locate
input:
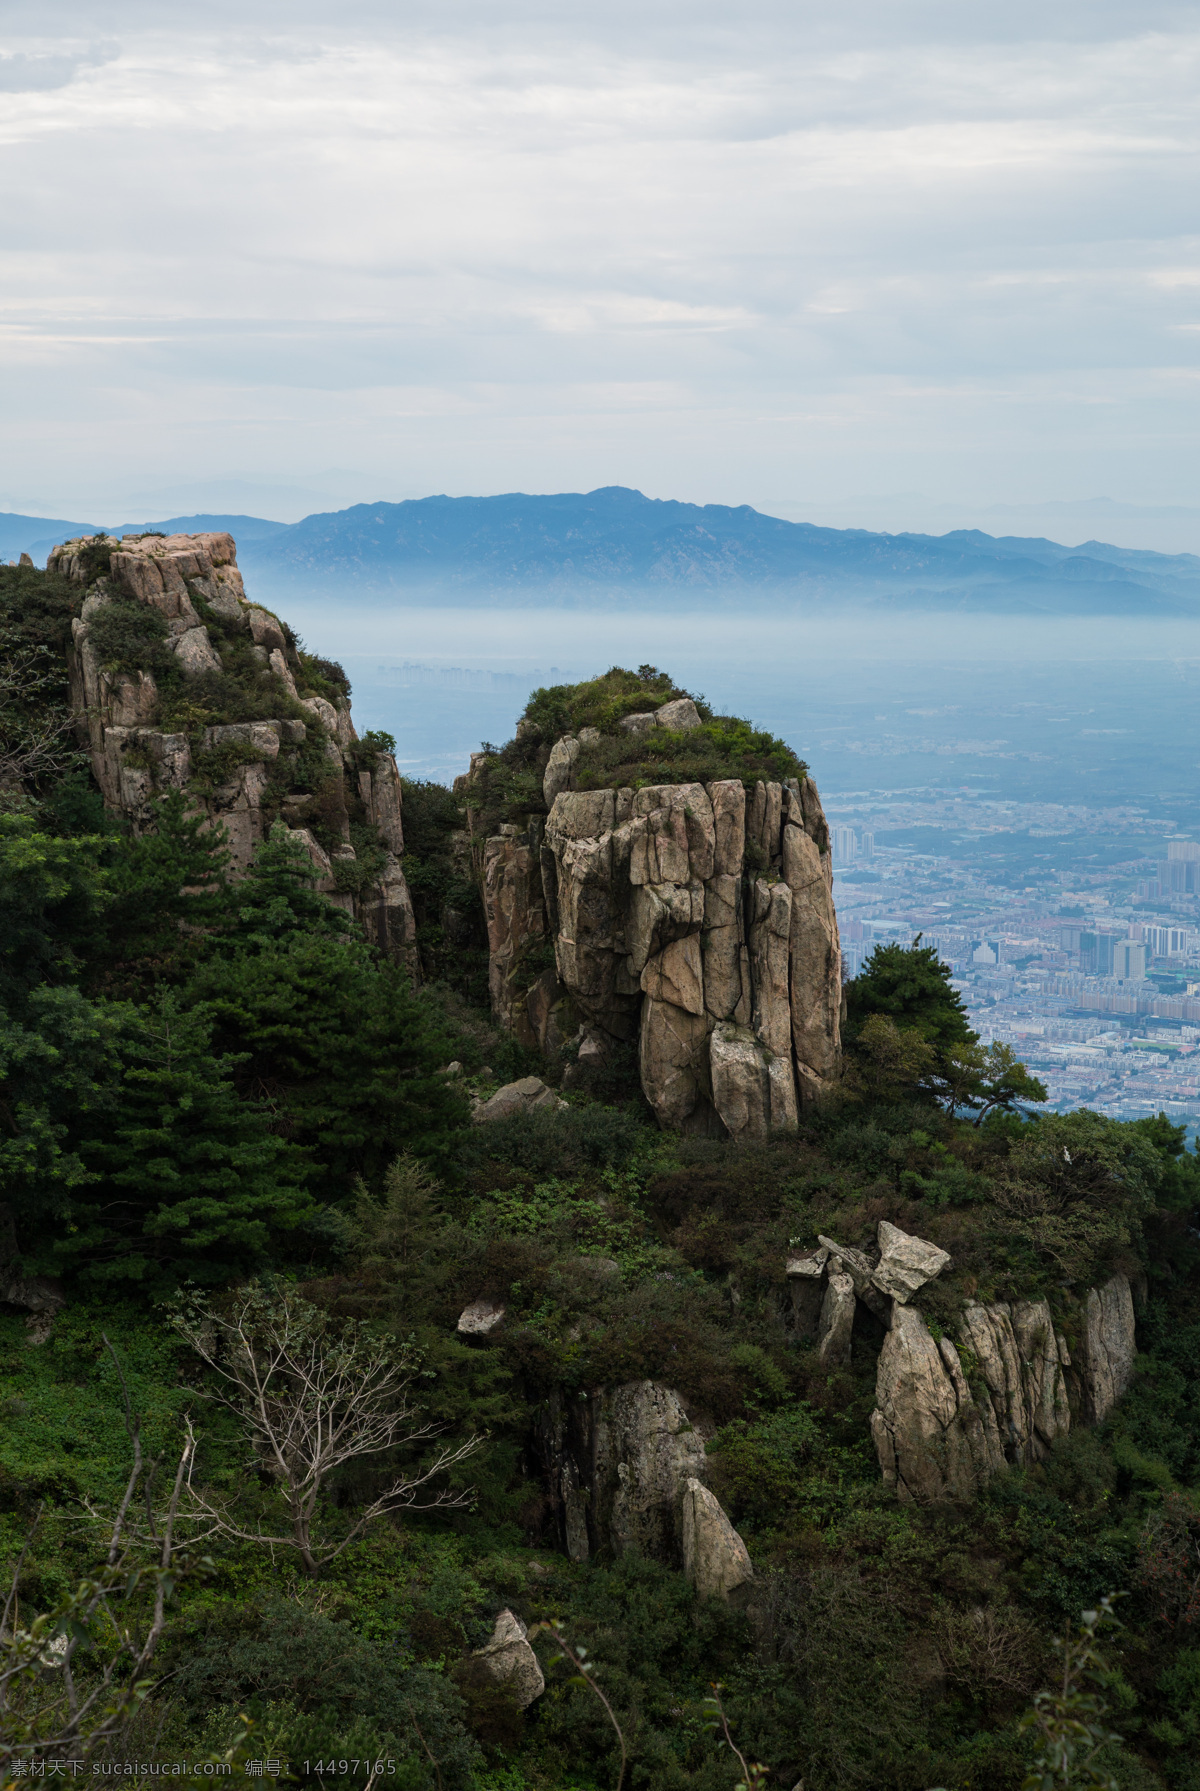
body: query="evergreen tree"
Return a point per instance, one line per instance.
(186, 1181)
(330, 1035)
(910, 985)
(277, 901)
(60, 1069)
(336, 1041)
(53, 895)
(167, 891)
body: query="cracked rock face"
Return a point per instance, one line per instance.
(645, 1452)
(836, 1322)
(725, 968)
(136, 762)
(625, 1472)
(938, 1437)
(1108, 1349)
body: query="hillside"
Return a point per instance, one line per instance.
(475, 1289)
(616, 547)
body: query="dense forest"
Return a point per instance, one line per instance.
(267, 1502)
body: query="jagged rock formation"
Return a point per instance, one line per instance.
(696, 919)
(625, 1471)
(952, 1411)
(828, 1282)
(939, 1435)
(242, 774)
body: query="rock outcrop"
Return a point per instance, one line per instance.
(905, 1263)
(480, 1318)
(242, 775)
(1107, 1347)
(645, 1452)
(939, 1437)
(715, 1559)
(695, 919)
(837, 1321)
(952, 1411)
(950, 1414)
(526, 1096)
(625, 1470)
(508, 1661)
(826, 1283)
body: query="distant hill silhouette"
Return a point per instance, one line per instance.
(615, 546)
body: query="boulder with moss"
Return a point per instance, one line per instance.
(181, 683)
(661, 875)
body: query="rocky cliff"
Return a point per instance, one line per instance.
(692, 917)
(184, 684)
(953, 1409)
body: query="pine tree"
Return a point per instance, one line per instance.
(189, 1180)
(911, 985)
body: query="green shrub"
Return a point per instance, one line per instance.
(316, 1680)
(507, 785)
(131, 636)
(553, 1143)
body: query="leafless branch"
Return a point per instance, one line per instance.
(313, 1396)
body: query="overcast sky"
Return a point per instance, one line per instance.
(288, 256)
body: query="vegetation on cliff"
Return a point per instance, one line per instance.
(209, 1086)
(507, 785)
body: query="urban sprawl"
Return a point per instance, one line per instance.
(1072, 933)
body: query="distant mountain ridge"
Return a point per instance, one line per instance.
(615, 546)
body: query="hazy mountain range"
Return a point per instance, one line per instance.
(614, 547)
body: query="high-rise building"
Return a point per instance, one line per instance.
(866, 848)
(1183, 851)
(1128, 960)
(1165, 942)
(853, 957)
(1178, 876)
(845, 846)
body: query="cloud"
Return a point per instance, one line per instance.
(478, 247)
(44, 71)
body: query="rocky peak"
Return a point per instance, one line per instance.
(211, 696)
(678, 869)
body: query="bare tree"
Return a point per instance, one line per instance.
(313, 1395)
(36, 727)
(44, 1709)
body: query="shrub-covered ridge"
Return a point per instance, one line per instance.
(507, 782)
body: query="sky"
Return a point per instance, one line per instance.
(885, 263)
